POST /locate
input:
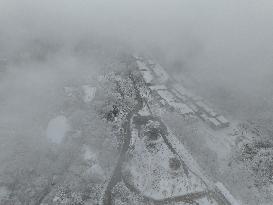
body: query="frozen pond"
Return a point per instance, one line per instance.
(56, 129)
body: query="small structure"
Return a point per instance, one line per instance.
(174, 103)
(137, 57)
(212, 122)
(179, 88)
(224, 122)
(204, 107)
(196, 98)
(182, 108)
(183, 91)
(193, 107)
(181, 97)
(166, 95)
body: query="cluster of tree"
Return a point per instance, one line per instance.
(116, 96)
(258, 152)
(34, 168)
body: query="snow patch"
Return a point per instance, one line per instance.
(88, 93)
(88, 155)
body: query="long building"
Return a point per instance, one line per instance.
(173, 102)
(178, 97)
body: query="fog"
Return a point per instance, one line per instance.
(225, 48)
(226, 44)
(222, 40)
(222, 44)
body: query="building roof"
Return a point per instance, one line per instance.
(222, 119)
(166, 95)
(160, 72)
(214, 122)
(182, 108)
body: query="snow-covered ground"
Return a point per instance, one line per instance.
(150, 172)
(187, 158)
(88, 154)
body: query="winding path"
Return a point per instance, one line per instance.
(117, 175)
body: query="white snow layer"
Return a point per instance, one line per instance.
(88, 93)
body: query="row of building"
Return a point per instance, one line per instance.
(201, 108)
(176, 96)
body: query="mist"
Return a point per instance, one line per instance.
(225, 40)
(225, 48)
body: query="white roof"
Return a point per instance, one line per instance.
(182, 90)
(166, 95)
(182, 97)
(147, 75)
(222, 119)
(193, 107)
(214, 121)
(136, 56)
(204, 106)
(197, 98)
(204, 116)
(160, 72)
(171, 100)
(150, 62)
(182, 108)
(212, 113)
(141, 65)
